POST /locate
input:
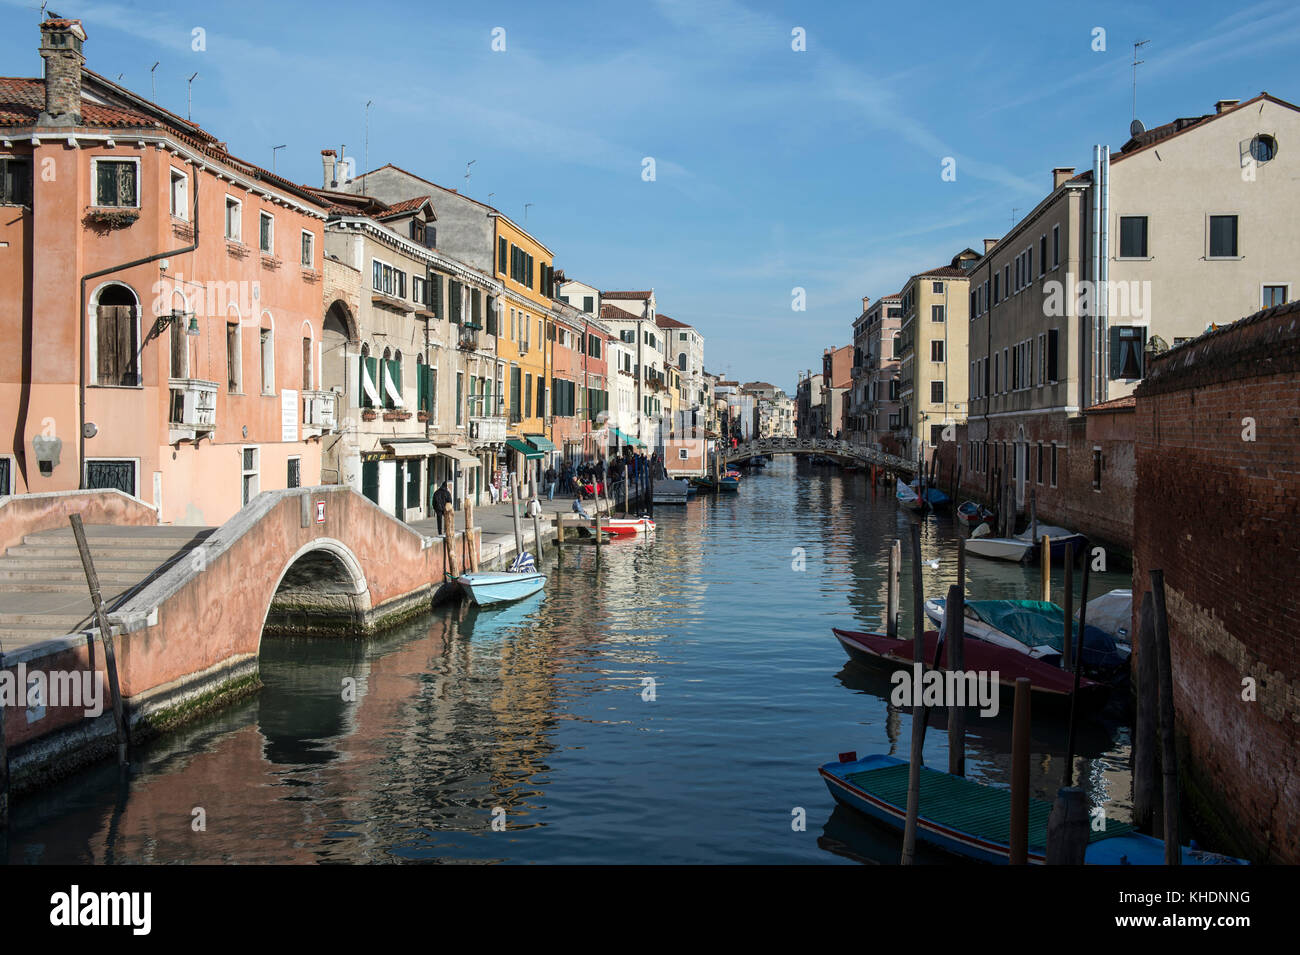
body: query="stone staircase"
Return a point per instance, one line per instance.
(43, 592)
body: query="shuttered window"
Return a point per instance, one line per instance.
(1052, 348)
(453, 302)
(502, 246)
(116, 344)
(515, 405)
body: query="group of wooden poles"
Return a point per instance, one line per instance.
(1069, 824)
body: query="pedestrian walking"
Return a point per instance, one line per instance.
(441, 498)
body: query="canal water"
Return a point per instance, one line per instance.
(667, 702)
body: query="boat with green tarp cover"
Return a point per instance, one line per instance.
(973, 820)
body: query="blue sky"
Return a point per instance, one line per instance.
(774, 168)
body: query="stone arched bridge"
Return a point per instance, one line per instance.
(828, 447)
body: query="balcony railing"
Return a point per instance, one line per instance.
(319, 413)
(468, 337)
(193, 409)
(489, 429)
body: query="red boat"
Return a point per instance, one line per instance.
(626, 526)
(1047, 682)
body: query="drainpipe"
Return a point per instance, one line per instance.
(81, 323)
(1089, 388)
(1103, 309)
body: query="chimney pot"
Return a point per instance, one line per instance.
(1224, 104)
(327, 160)
(1060, 174)
(61, 42)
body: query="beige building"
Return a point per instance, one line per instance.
(932, 359)
(1196, 223)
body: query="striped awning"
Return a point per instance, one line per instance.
(462, 458)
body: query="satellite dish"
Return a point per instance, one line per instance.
(1136, 128)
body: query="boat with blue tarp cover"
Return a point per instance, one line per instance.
(973, 820)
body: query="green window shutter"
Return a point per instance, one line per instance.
(365, 398)
(501, 254)
(419, 388)
(1115, 352)
(435, 295)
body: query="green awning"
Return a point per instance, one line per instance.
(539, 442)
(628, 439)
(514, 444)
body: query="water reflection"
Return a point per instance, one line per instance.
(537, 715)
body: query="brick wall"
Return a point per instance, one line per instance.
(1219, 515)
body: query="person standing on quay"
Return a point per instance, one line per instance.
(441, 498)
(550, 483)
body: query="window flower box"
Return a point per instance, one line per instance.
(422, 416)
(397, 415)
(110, 217)
(369, 414)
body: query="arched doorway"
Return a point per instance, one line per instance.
(338, 332)
(116, 338)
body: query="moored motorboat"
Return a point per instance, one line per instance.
(1035, 628)
(1014, 549)
(626, 526)
(1112, 613)
(971, 514)
(970, 819)
(728, 483)
(1059, 538)
(493, 587)
(1047, 682)
(908, 497)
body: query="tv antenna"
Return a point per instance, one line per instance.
(526, 205)
(467, 173)
(274, 150)
(189, 99)
(153, 81)
(1137, 45)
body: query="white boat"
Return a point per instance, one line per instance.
(1060, 537)
(1112, 613)
(1015, 549)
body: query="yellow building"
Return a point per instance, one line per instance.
(933, 342)
(526, 270)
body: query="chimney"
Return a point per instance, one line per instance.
(866, 302)
(327, 160)
(61, 50)
(989, 244)
(1060, 174)
(1225, 104)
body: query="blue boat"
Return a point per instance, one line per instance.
(973, 820)
(495, 587)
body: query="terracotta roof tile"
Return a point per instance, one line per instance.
(405, 207)
(1127, 403)
(663, 321)
(632, 295)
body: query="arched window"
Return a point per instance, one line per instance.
(266, 348)
(117, 336)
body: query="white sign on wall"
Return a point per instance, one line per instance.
(288, 415)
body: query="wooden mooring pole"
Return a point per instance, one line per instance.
(954, 619)
(105, 636)
(1145, 732)
(1020, 774)
(1067, 827)
(891, 589)
(4, 765)
(449, 540)
(1045, 570)
(471, 553)
(918, 727)
(514, 513)
(1067, 639)
(1078, 671)
(1168, 751)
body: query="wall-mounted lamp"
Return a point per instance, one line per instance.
(164, 321)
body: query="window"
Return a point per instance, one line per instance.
(501, 254)
(1042, 254)
(936, 350)
(936, 392)
(250, 481)
(15, 181)
(1263, 148)
(1056, 246)
(1053, 338)
(234, 372)
(588, 303)
(1132, 237)
(120, 474)
(1096, 469)
(936, 312)
(460, 388)
(177, 201)
(1053, 464)
(419, 290)
(1223, 237)
(528, 396)
(116, 182)
(936, 288)
(294, 476)
(997, 281)
(682, 454)
(234, 230)
(268, 361)
(1274, 295)
(1042, 357)
(1040, 462)
(308, 250)
(266, 233)
(1126, 343)
(116, 337)
(308, 379)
